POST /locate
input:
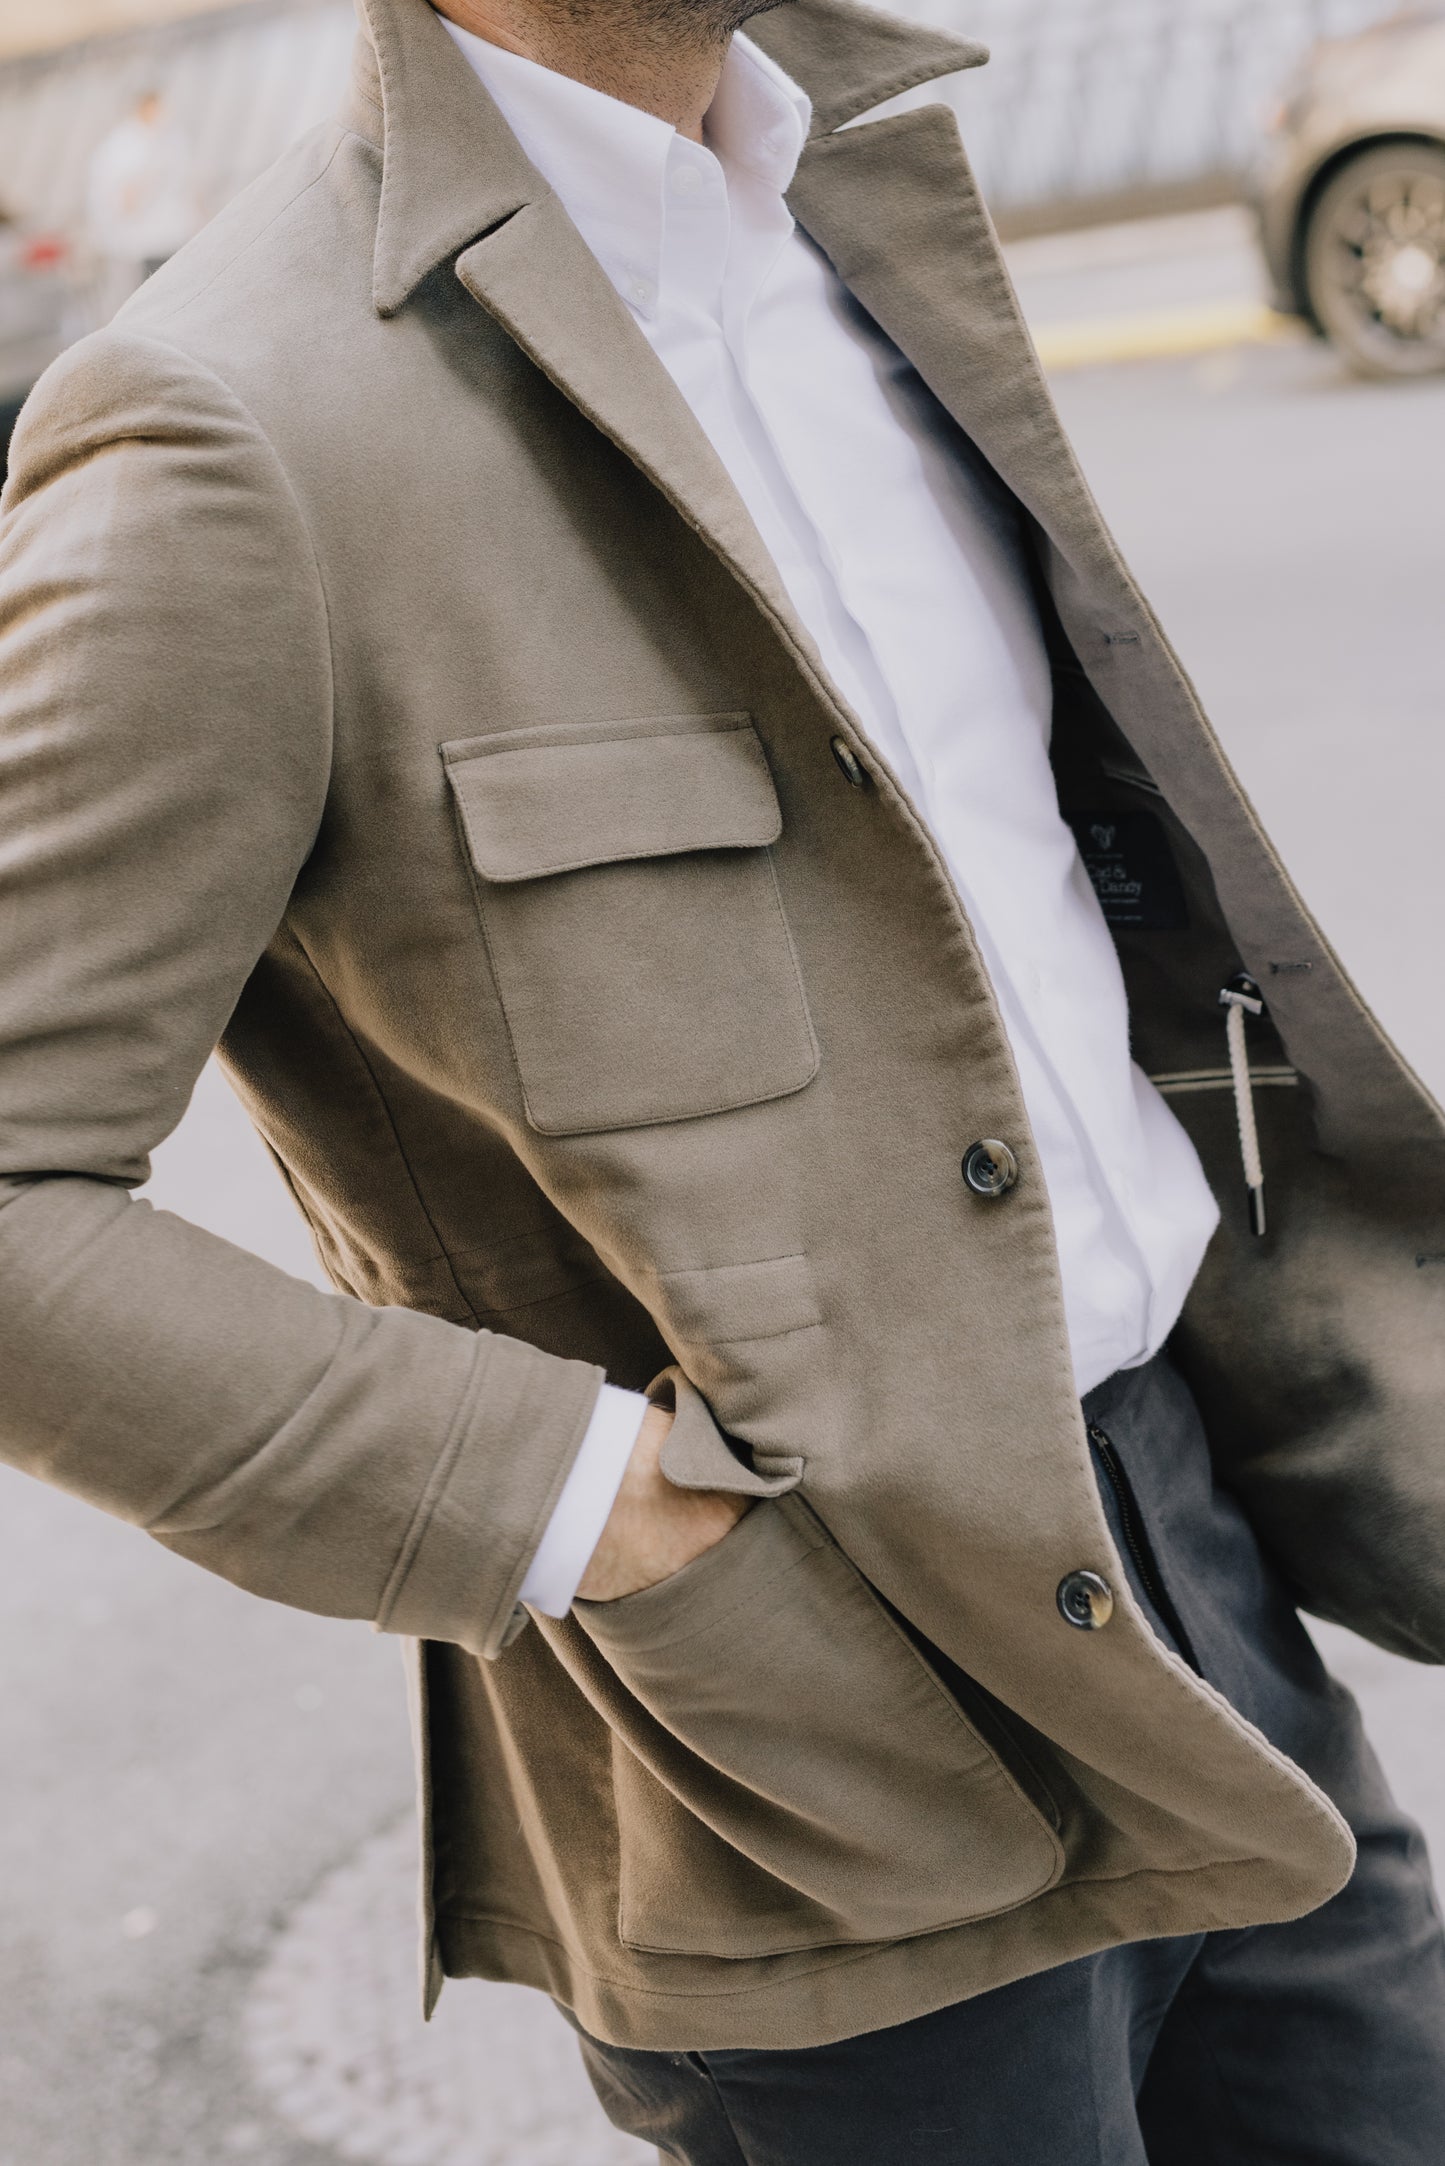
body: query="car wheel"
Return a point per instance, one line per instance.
(1374, 260)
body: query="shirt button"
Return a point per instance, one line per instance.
(990, 1168)
(1086, 1601)
(849, 763)
(686, 180)
(640, 291)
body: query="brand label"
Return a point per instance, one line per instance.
(1132, 869)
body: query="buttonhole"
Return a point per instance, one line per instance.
(1290, 970)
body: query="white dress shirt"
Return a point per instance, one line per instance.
(902, 556)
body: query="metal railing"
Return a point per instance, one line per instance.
(1085, 103)
(1103, 103)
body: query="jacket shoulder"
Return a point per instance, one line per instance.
(284, 271)
(125, 387)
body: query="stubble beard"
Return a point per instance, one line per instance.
(660, 25)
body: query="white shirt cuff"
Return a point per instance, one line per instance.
(582, 1510)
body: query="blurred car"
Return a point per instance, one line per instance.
(37, 303)
(1350, 195)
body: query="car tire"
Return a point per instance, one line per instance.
(1374, 260)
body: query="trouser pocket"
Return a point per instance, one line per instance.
(1132, 1540)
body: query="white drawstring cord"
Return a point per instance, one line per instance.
(1239, 998)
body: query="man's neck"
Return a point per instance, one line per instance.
(664, 56)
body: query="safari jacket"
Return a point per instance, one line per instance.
(394, 690)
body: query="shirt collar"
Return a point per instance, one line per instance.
(759, 117)
(608, 161)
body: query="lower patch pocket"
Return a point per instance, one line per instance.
(797, 1775)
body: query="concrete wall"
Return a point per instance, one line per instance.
(36, 26)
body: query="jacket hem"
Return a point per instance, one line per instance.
(795, 2003)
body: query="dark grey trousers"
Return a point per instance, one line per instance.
(1320, 2043)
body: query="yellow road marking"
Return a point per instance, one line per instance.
(1161, 334)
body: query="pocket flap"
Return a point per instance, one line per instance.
(550, 800)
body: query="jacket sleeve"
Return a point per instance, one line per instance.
(165, 716)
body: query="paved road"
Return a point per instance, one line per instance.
(1115, 273)
(202, 1799)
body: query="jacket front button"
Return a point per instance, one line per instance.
(990, 1168)
(1086, 1601)
(849, 763)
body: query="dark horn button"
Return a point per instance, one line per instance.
(990, 1168)
(1086, 1601)
(849, 763)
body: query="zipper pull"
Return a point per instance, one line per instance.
(1239, 998)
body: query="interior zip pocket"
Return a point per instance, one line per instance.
(1136, 1541)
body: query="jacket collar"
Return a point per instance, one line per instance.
(850, 58)
(452, 170)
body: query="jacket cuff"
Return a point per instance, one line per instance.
(491, 1496)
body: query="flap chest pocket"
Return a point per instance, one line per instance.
(625, 880)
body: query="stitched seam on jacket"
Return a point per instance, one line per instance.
(123, 334)
(485, 1310)
(512, 1587)
(382, 224)
(181, 1513)
(1243, 810)
(712, 1272)
(1071, 473)
(845, 116)
(1186, 1684)
(843, 1955)
(1039, 1831)
(960, 932)
(761, 1338)
(434, 1490)
(603, 1123)
(747, 1599)
(549, 871)
(363, 90)
(442, 1253)
(253, 239)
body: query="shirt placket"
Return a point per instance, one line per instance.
(759, 243)
(755, 253)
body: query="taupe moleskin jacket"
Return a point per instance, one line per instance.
(393, 688)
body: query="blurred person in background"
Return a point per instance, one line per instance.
(141, 201)
(731, 918)
(40, 308)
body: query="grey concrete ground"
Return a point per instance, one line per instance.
(203, 1845)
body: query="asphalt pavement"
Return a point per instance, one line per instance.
(204, 1834)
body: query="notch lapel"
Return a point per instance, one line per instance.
(895, 207)
(457, 186)
(540, 280)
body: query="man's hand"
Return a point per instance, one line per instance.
(655, 1528)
